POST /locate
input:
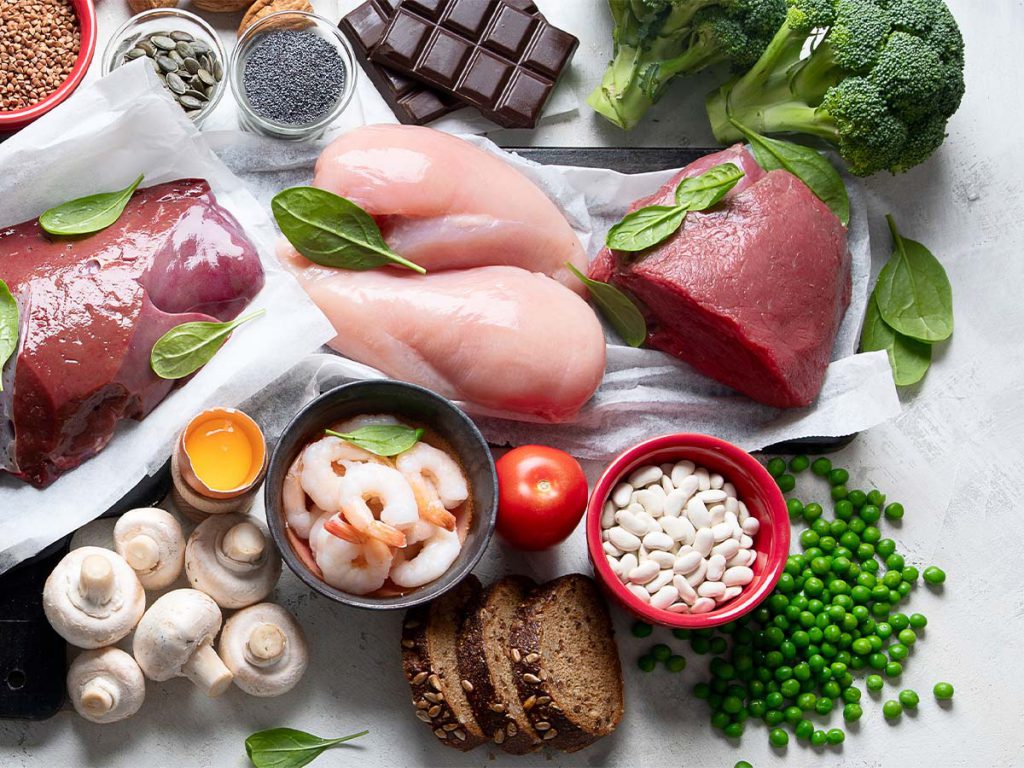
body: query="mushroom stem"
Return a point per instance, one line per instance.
(266, 644)
(244, 543)
(207, 671)
(97, 699)
(96, 582)
(142, 553)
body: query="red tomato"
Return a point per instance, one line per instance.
(542, 494)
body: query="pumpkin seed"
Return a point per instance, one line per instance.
(177, 57)
(166, 63)
(190, 102)
(206, 77)
(197, 95)
(200, 46)
(181, 37)
(218, 71)
(134, 53)
(176, 84)
(185, 50)
(206, 60)
(162, 42)
(147, 47)
(192, 65)
(210, 90)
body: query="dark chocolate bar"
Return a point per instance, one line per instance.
(412, 103)
(488, 53)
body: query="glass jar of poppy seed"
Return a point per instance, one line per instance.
(293, 74)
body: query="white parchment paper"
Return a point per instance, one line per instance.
(101, 139)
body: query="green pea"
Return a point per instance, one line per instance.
(661, 652)
(899, 621)
(718, 645)
(934, 575)
(776, 467)
(870, 514)
(864, 551)
(773, 717)
(894, 511)
(909, 699)
(918, 620)
(943, 691)
(877, 661)
(732, 704)
(646, 663)
(857, 526)
(821, 467)
(792, 715)
(861, 646)
(742, 764)
(786, 483)
(720, 720)
(812, 512)
(700, 690)
(799, 463)
(843, 509)
(773, 700)
(778, 737)
(907, 636)
(806, 701)
(790, 688)
(756, 707)
(642, 629)
(838, 477)
(910, 574)
(892, 579)
(851, 695)
(804, 729)
(893, 669)
(874, 682)
(892, 709)
(852, 712)
(700, 645)
(681, 634)
(904, 589)
(885, 547)
(857, 498)
(823, 706)
(876, 497)
(838, 492)
(835, 736)
(819, 739)
(796, 509)
(676, 663)
(894, 562)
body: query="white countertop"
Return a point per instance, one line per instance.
(953, 458)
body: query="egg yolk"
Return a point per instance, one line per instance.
(221, 454)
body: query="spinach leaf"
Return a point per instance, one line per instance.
(702, 192)
(10, 321)
(331, 231)
(645, 227)
(808, 165)
(908, 357)
(382, 439)
(289, 748)
(622, 313)
(86, 215)
(913, 292)
(186, 348)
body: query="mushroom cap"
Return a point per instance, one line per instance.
(172, 630)
(106, 685)
(265, 649)
(152, 543)
(98, 608)
(232, 559)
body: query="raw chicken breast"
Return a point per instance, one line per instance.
(500, 337)
(446, 204)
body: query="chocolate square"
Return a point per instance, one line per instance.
(519, 101)
(485, 78)
(404, 38)
(469, 17)
(550, 51)
(510, 32)
(444, 57)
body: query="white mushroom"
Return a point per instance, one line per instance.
(232, 559)
(93, 597)
(265, 649)
(151, 541)
(175, 639)
(106, 685)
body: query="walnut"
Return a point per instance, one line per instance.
(263, 8)
(138, 6)
(221, 6)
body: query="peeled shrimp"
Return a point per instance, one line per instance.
(440, 549)
(363, 482)
(319, 477)
(349, 560)
(299, 518)
(429, 503)
(423, 460)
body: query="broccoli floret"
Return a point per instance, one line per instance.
(877, 78)
(658, 40)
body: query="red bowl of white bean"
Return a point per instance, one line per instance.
(687, 531)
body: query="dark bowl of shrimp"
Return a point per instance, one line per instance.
(381, 495)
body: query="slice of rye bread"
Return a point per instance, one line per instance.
(566, 663)
(430, 663)
(485, 664)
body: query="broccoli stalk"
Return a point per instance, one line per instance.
(880, 81)
(658, 40)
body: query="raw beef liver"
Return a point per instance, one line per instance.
(91, 309)
(751, 293)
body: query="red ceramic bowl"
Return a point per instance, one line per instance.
(754, 486)
(19, 118)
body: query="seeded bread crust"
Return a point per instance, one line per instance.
(445, 710)
(505, 722)
(534, 675)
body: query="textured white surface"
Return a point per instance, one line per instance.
(953, 458)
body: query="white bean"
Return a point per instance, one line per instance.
(687, 564)
(717, 513)
(726, 549)
(614, 564)
(717, 481)
(611, 550)
(679, 608)
(716, 567)
(712, 497)
(629, 561)
(740, 558)
(751, 526)
(604, 534)
(732, 505)
(689, 486)
(674, 502)
(624, 540)
(642, 554)
(681, 471)
(730, 490)
(679, 528)
(746, 542)
(644, 476)
(721, 532)
(711, 589)
(730, 517)
(686, 593)
(639, 592)
(703, 605)
(744, 513)
(658, 540)
(703, 541)
(652, 501)
(664, 597)
(644, 572)
(659, 581)
(630, 522)
(666, 483)
(650, 522)
(698, 576)
(608, 514)
(621, 494)
(729, 594)
(663, 559)
(738, 576)
(703, 479)
(698, 513)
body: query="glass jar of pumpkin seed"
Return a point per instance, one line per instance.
(184, 51)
